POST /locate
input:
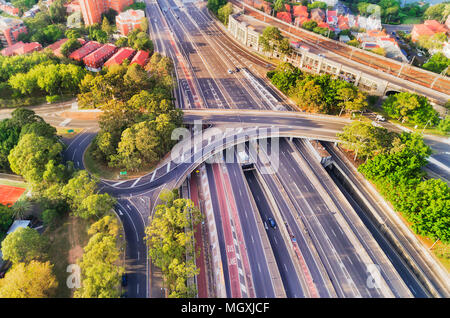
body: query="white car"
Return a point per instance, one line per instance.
(380, 118)
(230, 71)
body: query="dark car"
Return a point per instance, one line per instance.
(124, 280)
(272, 223)
(236, 69)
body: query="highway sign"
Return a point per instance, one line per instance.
(122, 173)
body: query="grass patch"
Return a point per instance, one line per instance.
(14, 183)
(60, 131)
(67, 239)
(412, 20)
(101, 170)
(442, 252)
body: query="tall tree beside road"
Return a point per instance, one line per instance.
(365, 140)
(85, 202)
(31, 155)
(31, 280)
(170, 237)
(24, 245)
(412, 108)
(99, 266)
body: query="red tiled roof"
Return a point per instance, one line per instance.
(86, 49)
(435, 26)
(99, 54)
(20, 48)
(300, 11)
(140, 58)
(285, 16)
(120, 56)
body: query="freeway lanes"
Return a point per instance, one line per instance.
(286, 268)
(247, 218)
(345, 262)
(377, 255)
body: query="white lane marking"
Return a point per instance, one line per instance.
(168, 166)
(154, 174)
(120, 212)
(135, 229)
(65, 122)
(137, 180)
(439, 164)
(117, 183)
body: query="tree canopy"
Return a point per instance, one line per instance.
(29, 280)
(169, 237)
(24, 245)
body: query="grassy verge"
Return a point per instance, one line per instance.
(67, 239)
(103, 171)
(63, 132)
(14, 183)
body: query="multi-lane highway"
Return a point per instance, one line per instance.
(320, 246)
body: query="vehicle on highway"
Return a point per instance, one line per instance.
(230, 71)
(272, 223)
(321, 55)
(124, 280)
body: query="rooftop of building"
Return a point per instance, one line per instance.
(254, 24)
(85, 50)
(141, 58)
(118, 57)
(20, 48)
(6, 23)
(100, 53)
(130, 15)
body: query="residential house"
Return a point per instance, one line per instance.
(86, 49)
(141, 58)
(21, 48)
(428, 28)
(10, 30)
(95, 60)
(121, 55)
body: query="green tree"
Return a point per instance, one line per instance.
(30, 156)
(270, 39)
(100, 274)
(24, 245)
(437, 12)
(9, 137)
(224, 12)
(106, 27)
(365, 140)
(6, 219)
(70, 46)
(309, 25)
(444, 125)
(437, 63)
(32, 280)
(412, 108)
(169, 237)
